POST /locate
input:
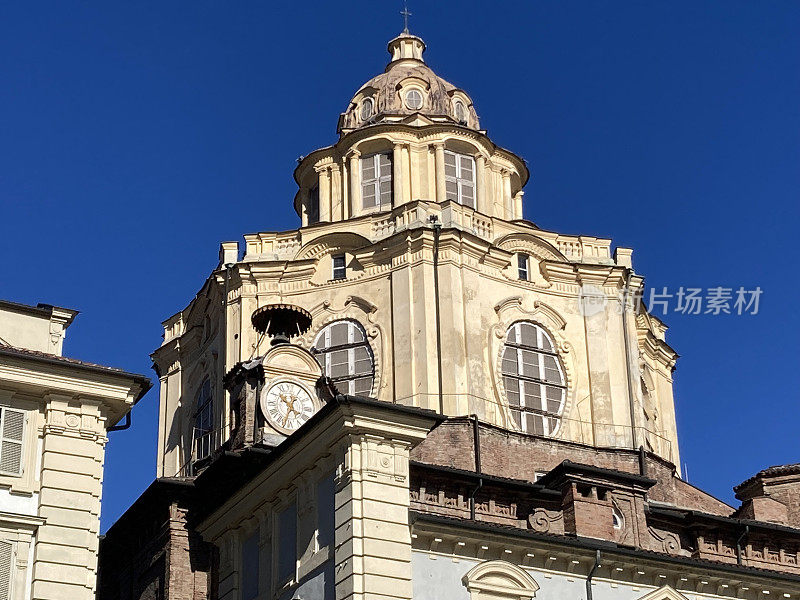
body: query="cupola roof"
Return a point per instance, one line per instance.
(407, 88)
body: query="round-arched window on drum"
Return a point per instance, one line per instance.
(344, 354)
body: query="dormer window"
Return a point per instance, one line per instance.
(459, 176)
(460, 112)
(367, 106)
(414, 99)
(376, 180)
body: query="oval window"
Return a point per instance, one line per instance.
(366, 108)
(414, 99)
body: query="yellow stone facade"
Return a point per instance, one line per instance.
(433, 272)
(54, 417)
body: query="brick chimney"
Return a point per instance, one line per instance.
(243, 382)
(771, 495)
(587, 494)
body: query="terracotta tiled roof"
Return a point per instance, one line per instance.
(790, 469)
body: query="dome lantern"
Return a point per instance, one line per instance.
(406, 47)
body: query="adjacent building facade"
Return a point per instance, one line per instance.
(420, 394)
(55, 413)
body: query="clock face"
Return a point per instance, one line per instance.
(287, 405)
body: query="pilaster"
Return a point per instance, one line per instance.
(65, 559)
(373, 539)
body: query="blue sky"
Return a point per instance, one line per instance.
(134, 137)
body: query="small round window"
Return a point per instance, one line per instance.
(366, 108)
(414, 99)
(461, 112)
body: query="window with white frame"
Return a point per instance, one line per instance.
(12, 434)
(345, 356)
(523, 267)
(533, 379)
(366, 108)
(376, 180)
(202, 434)
(459, 178)
(313, 205)
(6, 569)
(338, 266)
(414, 99)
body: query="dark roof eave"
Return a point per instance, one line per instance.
(701, 518)
(62, 361)
(494, 480)
(594, 544)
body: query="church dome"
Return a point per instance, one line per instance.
(408, 88)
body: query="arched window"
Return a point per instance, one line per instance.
(366, 108)
(345, 356)
(533, 379)
(203, 422)
(461, 112)
(616, 517)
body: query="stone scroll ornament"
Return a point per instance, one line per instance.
(542, 520)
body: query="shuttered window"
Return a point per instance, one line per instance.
(12, 432)
(345, 356)
(376, 180)
(459, 178)
(6, 562)
(533, 379)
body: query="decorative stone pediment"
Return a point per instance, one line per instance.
(499, 580)
(331, 242)
(664, 593)
(530, 244)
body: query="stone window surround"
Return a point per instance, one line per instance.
(543, 332)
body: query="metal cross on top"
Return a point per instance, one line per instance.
(405, 14)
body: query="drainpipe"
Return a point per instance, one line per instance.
(642, 463)
(437, 229)
(591, 574)
(739, 541)
(476, 444)
(124, 425)
(631, 401)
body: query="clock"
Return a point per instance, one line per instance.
(287, 405)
